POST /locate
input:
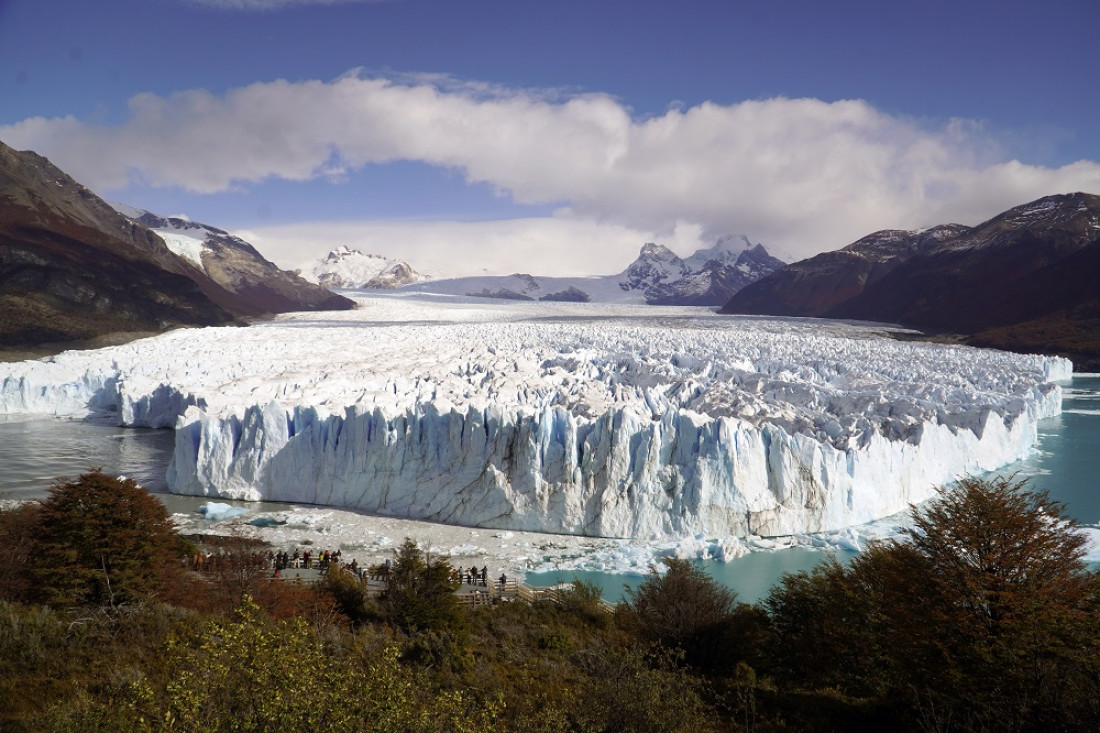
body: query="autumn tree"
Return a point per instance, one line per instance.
(102, 540)
(17, 538)
(982, 616)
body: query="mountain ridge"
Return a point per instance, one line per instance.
(1022, 280)
(73, 269)
(348, 268)
(236, 265)
(657, 276)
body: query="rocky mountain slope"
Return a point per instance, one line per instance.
(349, 268)
(74, 269)
(236, 265)
(1027, 279)
(814, 286)
(657, 277)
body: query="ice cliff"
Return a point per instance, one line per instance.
(573, 418)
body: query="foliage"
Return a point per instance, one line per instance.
(631, 691)
(350, 597)
(982, 618)
(585, 600)
(17, 538)
(684, 608)
(103, 540)
(252, 674)
(419, 593)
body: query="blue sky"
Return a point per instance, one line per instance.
(485, 135)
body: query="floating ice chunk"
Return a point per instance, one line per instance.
(267, 522)
(215, 511)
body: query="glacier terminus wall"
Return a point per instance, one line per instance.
(611, 421)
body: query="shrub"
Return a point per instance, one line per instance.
(17, 538)
(419, 595)
(686, 609)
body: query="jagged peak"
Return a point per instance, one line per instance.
(733, 243)
(652, 249)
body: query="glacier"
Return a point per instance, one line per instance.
(585, 419)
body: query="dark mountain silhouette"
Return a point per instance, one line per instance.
(1025, 280)
(73, 269)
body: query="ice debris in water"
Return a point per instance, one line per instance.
(214, 511)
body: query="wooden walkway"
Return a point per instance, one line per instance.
(470, 595)
(474, 596)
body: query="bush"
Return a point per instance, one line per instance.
(419, 595)
(686, 609)
(629, 690)
(17, 538)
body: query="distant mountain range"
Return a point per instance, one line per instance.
(657, 277)
(1026, 280)
(73, 269)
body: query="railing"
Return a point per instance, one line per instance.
(470, 595)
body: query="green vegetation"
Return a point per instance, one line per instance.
(981, 618)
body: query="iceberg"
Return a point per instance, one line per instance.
(216, 511)
(583, 419)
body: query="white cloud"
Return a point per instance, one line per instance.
(541, 246)
(801, 174)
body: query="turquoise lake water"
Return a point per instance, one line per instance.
(35, 451)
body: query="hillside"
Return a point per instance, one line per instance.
(1025, 280)
(235, 265)
(72, 269)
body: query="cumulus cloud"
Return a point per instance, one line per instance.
(803, 174)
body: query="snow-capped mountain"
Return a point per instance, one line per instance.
(709, 274)
(72, 269)
(236, 265)
(349, 268)
(657, 277)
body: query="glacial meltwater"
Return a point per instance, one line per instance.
(34, 451)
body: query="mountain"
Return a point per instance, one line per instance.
(712, 276)
(657, 277)
(1027, 280)
(235, 265)
(349, 268)
(73, 269)
(814, 286)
